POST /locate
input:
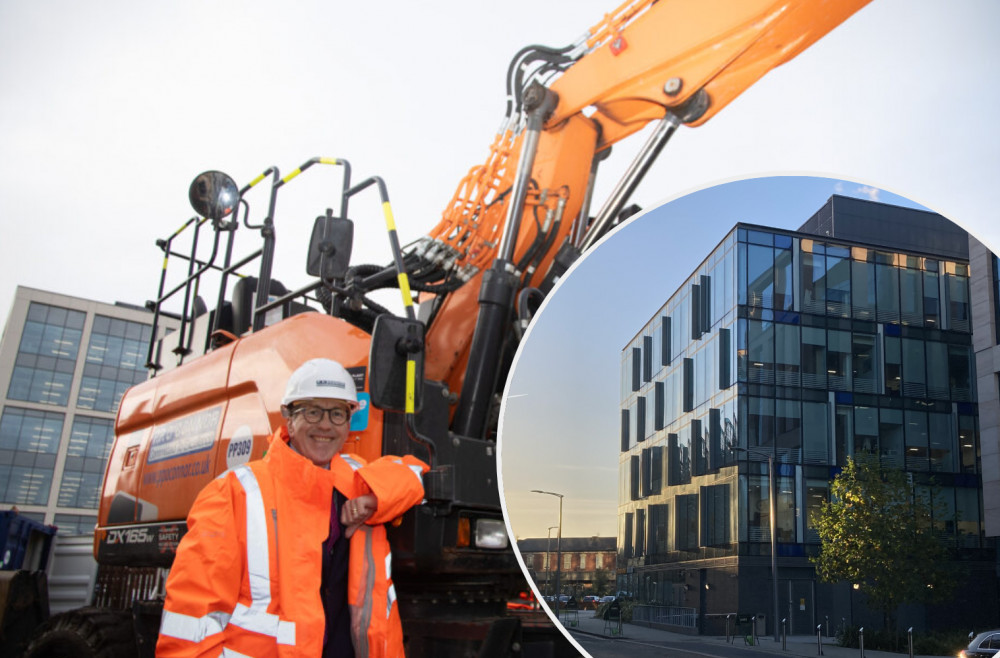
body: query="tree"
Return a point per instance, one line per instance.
(601, 582)
(877, 532)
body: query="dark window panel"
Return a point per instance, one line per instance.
(647, 358)
(688, 384)
(665, 356)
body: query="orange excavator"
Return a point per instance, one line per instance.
(430, 379)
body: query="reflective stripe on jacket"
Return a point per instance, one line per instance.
(246, 578)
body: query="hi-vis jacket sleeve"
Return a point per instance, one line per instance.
(204, 581)
(396, 482)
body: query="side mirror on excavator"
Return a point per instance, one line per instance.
(330, 247)
(214, 195)
(395, 342)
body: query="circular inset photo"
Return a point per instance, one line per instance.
(761, 412)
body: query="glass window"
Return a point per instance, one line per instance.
(636, 368)
(116, 358)
(626, 531)
(89, 447)
(960, 372)
(665, 353)
(815, 432)
(761, 351)
(40, 384)
(760, 422)
(942, 442)
(685, 456)
(838, 360)
(30, 431)
(625, 430)
(25, 485)
(891, 437)
(656, 470)
(658, 524)
(893, 367)
(838, 284)
(911, 298)
(760, 276)
(958, 302)
(788, 430)
(968, 442)
(633, 427)
(813, 357)
(914, 375)
(46, 356)
(866, 430)
(647, 358)
(786, 509)
(843, 428)
(863, 298)
(817, 493)
(640, 532)
(759, 509)
(783, 290)
(686, 524)
(937, 370)
(642, 422)
(865, 363)
(887, 291)
(634, 477)
(787, 355)
(715, 515)
(932, 300)
(967, 512)
(75, 524)
(659, 406)
(813, 283)
(916, 441)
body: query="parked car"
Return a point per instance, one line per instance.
(607, 599)
(590, 602)
(983, 645)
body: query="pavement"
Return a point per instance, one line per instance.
(795, 645)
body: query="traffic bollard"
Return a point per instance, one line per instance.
(784, 633)
(819, 640)
(861, 640)
(909, 638)
(727, 627)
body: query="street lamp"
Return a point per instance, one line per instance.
(558, 544)
(548, 560)
(772, 504)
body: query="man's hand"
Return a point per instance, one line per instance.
(356, 511)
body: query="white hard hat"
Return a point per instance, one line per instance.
(323, 379)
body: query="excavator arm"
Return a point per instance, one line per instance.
(524, 214)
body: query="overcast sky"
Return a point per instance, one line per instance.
(108, 109)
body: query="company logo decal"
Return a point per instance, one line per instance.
(184, 436)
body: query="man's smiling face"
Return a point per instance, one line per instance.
(318, 440)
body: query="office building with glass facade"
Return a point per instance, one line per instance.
(64, 364)
(807, 348)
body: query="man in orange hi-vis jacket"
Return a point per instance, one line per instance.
(287, 555)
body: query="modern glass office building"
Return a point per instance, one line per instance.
(807, 349)
(64, 364)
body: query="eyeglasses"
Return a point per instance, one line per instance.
(338, 415)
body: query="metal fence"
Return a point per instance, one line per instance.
(663, 614)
